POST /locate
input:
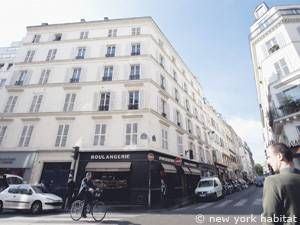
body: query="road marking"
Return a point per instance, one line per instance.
(257, 201)
(205, 205)
(223, 204)
(241, 202)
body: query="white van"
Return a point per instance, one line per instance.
(209, 188)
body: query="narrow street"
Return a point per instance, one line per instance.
(238, 205)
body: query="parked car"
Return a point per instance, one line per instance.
(28, 197)
(236, 185)
(259, 181)
(209, 188)
(10, 179)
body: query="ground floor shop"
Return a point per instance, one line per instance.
(140, 177)
(18, 163)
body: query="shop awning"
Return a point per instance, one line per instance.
(169, 168)
(195, 171)
(108, 166)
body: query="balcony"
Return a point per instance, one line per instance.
(133, 106)
(19, 83)
(106, 78)
(110, 55)
(291, 107)
(79, 57)
(273, 49)
(74, 80)
(103, 108)
(135, 53)
(134, 77)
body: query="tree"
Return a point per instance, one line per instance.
(259, 169)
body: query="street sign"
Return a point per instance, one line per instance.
(178, 161)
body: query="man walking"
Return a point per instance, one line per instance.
(281, 195)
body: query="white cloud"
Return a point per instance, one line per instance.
(251, 132)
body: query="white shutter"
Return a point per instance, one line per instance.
(112, 101)
(83, 75)
(141, 105)
(168, 111)
(96, 101)
(280, 40)
(174, 116)
(124, 100)
(68, 75)
(158, 102)
(14, 77)
(264, 50)
(27, 77)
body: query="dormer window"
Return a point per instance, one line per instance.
(57, 37)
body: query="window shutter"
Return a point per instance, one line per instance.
(159, 106)
(68, 75)
(280, 40)
(125, 100)
(175, 116)
(112, 101)
(14, 77)
(96, 101)
(33, 103)
(27, 77)
(168, 111)
(141, 105)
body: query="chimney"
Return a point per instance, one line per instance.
(44, 24)
(82, 20)
(106, 18)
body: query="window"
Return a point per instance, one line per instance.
(25, 136)
(187, 105)
(36, 38)
(176, 95)
(2, 133)
(2, 82)
(201, 154)
(162, 82)
(112, 33)
(1, 65)
(164, 138)
(21, 80)
(76, 75)
(9, 66)
(196, 113)
(133, 100)
(84, 35)
(185, 87)
(175, 76)
(134, 72)
(178, 118)
(163, 108)
(136, 49)
(100, 131)
(297, 128)
(57, 37)
(11, 103)
(161, 61)
(104, 101)
(135, 31)
(191, 150)
(36, 103)
(198, 132)
(281, 67)
(131, 134)
(29, 56)
(108, 73)
(189, 126)
(62, 135)
(272, 45)
(51, 54)
(111, 49)
(179, 144)
(69, 102)
(293, 93)
(81, 53)
(44, 76)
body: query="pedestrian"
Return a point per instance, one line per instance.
(163, 192)
(281, 196)
(70, 192)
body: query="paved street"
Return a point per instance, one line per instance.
(232, 207)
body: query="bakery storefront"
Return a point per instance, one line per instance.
(139, 177)
(17, 163)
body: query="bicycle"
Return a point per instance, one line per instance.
(96, 208)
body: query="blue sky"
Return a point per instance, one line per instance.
(210, 35)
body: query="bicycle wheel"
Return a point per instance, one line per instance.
(76, 210)
(99, 211)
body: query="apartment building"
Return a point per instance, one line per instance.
(112, 97)
(274, 42)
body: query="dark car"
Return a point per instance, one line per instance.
(259, 181)
(228, 188)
